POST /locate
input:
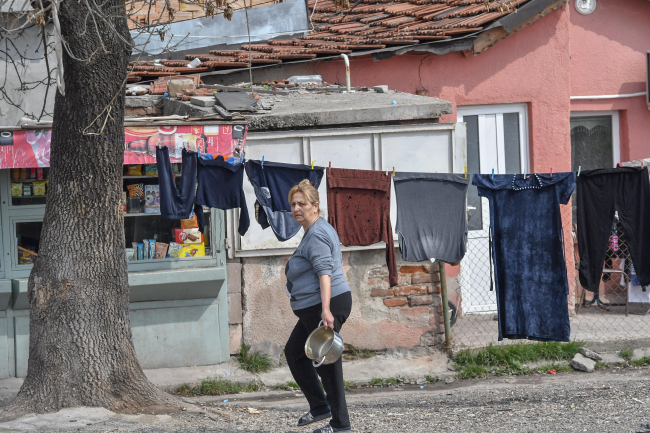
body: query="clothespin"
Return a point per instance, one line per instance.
(330, 164)
(579, 169)
(551, 171)
(393, 171)
(262, 160)
(492, 173)
(465, 172)
(241, 158)
(312, 165)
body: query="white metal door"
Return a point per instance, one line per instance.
(496, 140)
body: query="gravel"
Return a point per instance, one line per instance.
(613, 400)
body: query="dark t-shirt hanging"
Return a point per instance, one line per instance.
(530, 273)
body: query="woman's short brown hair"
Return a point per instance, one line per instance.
(308, 190)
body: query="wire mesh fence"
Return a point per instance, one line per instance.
(620, 309)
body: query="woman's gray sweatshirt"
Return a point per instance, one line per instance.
(319, 253)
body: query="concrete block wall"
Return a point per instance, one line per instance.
(408, 315)
(235, 317)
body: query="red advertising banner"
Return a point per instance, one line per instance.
(31, 148)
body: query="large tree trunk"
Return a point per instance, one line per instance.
(80, 349)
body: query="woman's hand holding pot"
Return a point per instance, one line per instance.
(328, 319)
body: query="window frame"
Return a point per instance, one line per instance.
(616, 129)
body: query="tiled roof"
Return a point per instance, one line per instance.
(366, 25)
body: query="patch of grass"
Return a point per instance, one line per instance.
(471, 371)
(353, 353)
(375, 381)
(253, 361)
(432, 379)
(559, 368)
(626, 354)
(350, 385)
(289, 386)
(641, 362)
(600, 364)
(366, 353)
(212, 386)
(509, 360)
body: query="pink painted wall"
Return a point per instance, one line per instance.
(608, 57)
(531, 66)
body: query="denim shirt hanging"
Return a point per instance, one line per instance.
(527, 251)
(281, 222)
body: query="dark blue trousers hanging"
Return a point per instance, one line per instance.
(528, 253)
(220, 186)
(176, 203)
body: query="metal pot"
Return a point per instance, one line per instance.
(323, 344)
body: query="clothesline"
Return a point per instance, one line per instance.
(531, 283)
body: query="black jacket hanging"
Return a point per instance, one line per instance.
(221, 187)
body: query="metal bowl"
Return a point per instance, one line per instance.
(323, 345)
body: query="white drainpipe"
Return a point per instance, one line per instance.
(625, 95)
(347, 70)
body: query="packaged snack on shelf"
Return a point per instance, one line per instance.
(136, 190)
(145, 245)
(16, 189)
(135, 250)
(123, 201)
(188, 236)
(23, 173)
(174, 249)
(140, 251)
(152, 199)
(130, 254)
(134, 170)
(40, 188)
(26, 256)
(192, 250)
(152, 248)
(190, 223)
(32, 173)
(39, 173)
(161, 250)
(151, 170)
(27, 190)
(15, 173)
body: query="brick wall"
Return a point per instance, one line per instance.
(416, 294)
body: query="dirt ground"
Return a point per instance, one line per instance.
(606, 401)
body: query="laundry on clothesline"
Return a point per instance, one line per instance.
(425, 229)
(220, 186)
(358, 207)
(527, 252)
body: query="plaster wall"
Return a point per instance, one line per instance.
(608, 50)
(375, 322)
(531, 66)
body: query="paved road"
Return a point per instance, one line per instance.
(610, 401)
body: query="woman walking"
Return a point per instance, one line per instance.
(318, 291)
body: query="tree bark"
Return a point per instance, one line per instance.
(80, 349)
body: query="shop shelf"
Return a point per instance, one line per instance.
(26, 180)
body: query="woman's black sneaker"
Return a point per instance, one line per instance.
(308, 418)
